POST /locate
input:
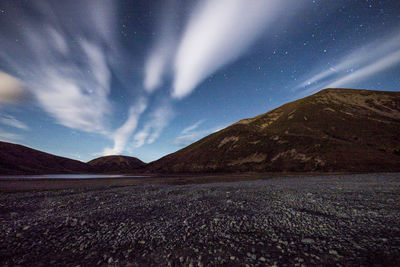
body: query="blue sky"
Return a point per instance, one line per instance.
(88, 78)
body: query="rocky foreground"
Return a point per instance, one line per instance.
(294, 221)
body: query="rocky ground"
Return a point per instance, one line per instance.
(290, 221)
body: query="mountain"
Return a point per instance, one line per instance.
(332, 130)
(17, 159)
(117, 164)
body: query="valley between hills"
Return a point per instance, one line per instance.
(334, 130)
(314, 182)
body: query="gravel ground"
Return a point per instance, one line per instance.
(339, 220)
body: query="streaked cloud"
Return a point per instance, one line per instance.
(64, 62)
(192, 127)
(158, 119)
(160, 56)
(122, 134)
(13, 122)
(68, 65)
(217, 33)
(192, 133)
(369, 70)
(9, 137)
(361, 63)
(75, 100)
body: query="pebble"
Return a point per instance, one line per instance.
(261, 222)
(307, 241)
(333, 252)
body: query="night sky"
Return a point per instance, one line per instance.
(85, 78)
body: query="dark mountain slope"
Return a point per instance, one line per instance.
(17, 159)
(332, 130)
(117, 164)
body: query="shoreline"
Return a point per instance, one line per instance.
(23, 184)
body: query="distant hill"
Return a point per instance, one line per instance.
(117, 164)
(332, 130)
(17, 159)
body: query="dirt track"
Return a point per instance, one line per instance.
(322, 220)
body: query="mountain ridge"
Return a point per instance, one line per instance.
(19, 159)
(331, 130)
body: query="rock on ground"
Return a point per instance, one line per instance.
(341, 220)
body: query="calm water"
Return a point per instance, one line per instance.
(71, 176)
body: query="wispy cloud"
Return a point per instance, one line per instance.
(218, 32)
(372, 68)
(191, 134)
(361, 63)
(192, 127)
(157, 121)
(13, 122)
(9, 137)
(75, 100)
(122, 134)
(64, 62)
(11, 89)
(156, 65)
(68, 64)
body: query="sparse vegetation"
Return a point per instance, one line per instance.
(333, 130)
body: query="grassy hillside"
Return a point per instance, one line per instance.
(332, 130)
